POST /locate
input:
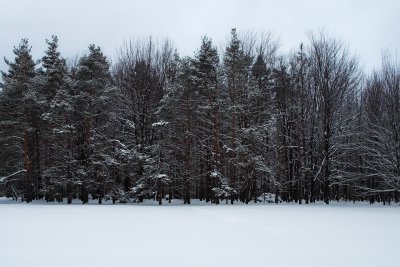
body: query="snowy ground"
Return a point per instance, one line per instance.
(199, 235)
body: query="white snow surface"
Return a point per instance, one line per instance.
(256, 235)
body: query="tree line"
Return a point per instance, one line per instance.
(244, 123)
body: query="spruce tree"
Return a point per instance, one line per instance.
(57, 127)
(207, 90)
(93, 84)
(237, 66)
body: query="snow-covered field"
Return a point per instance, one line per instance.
(199, 235)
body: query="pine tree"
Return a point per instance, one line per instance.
(19, 120)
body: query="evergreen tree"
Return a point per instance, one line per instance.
(237, 69)
(92, 86)
(19, 121)
(292, 128)
(57, 127)
(207, 101)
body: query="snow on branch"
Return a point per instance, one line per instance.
(160, 123)
(4, 179)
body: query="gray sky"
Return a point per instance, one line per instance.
(367, 26)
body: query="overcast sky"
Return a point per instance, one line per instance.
(367, 26)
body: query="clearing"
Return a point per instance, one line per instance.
(341, 234)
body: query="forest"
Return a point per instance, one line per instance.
(245, 123)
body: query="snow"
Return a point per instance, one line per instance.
(341, 234)
(160, 123)
(215, 174)
(161, 176)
